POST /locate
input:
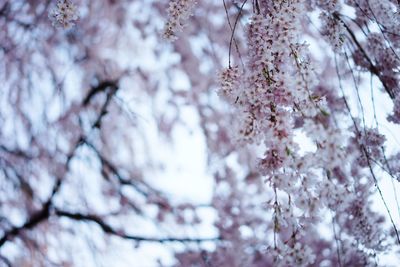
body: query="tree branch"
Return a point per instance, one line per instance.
(372, 67)
(34, 220)
(103, 86)
(109, 230)
(122, 180)
(44, 212)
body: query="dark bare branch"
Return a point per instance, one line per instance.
(110, 230)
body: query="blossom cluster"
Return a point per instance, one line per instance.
(179, 12)
(372, 143)
(395, 116)
(230, 84)
(64, 14)
(394, 166)
(333, 30)
(275, 95)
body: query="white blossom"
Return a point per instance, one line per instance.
(64, 14)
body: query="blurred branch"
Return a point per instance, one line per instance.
(44, 212)
(372, 67)
(5, 260)
(122, 180)
(34, 220)
(101, 87)
(4, 9)
(17, 152)
(109, 230)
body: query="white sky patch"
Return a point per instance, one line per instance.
(185, 174)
